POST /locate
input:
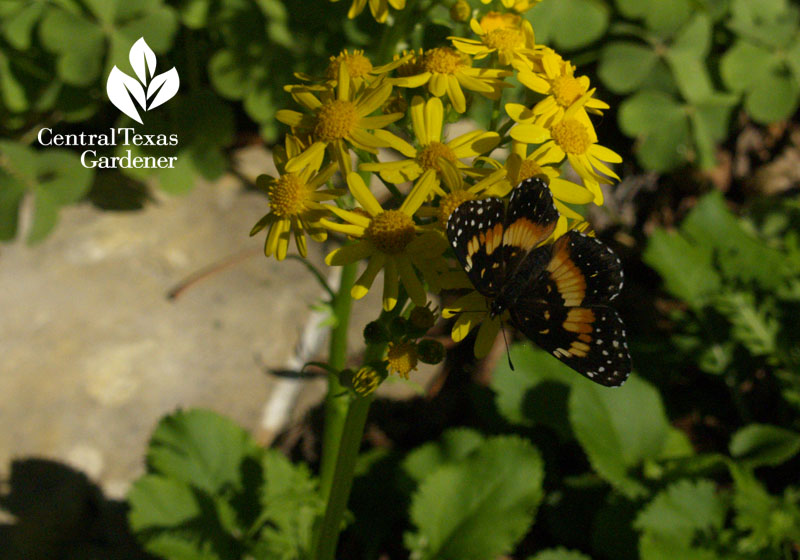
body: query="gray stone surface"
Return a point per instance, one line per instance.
(91, 351)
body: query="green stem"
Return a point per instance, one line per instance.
(336, 401)
(328, 534)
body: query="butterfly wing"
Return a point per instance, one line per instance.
(475, 231)
(531, 218)
(565, 311)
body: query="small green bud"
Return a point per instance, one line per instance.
(460, 11)
(375, 333)
(422, 318)
(430, 351)
(398, 327)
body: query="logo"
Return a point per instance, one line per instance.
(149, 91)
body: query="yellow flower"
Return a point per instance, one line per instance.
(359, 67)
(401, 358)
(571, 137)
(379, 8)
(510, 36)
(294, 201)
(446, 70)
(339, 120)
(390, 240)
(472, 310)
(518, 6)
(562, 88)
(493, 183)
(434, 161)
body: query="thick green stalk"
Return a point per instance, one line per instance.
(328, 532)
(336, 401)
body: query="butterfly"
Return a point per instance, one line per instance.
(558, 294)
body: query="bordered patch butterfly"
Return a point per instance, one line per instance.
(558, 294)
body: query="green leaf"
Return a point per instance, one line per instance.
(535, 391)
(559, 554)
(662, 16)
(45, 216)
(453, 446)
(17, 20)
(80, 58)
(569, 24)
(619, 429)
(762, 444)
(773, 99)
(744, 65)
(664, 143)
(158, 501)
(685, 267)
(624, 66)
(478, 507)
(12, 92)
(681, 509)
(289, 506)
(671, 521)
(201, 448)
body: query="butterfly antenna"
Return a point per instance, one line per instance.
(508, 351)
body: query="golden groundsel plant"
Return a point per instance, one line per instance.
(413, 171)
(371, 165)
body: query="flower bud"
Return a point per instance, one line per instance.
(460, 11)
(375, 333)
(430, 351)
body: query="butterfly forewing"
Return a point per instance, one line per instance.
(531, 218)
(475, 231)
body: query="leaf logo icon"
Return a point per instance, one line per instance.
(147, 90)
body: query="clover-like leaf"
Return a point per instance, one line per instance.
(624, 65)
(569, 24)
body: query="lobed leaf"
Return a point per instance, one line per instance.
(478, 507)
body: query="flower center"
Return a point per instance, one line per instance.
(428, 158)
(529, 169)
(358, 65)
(504, 39)
(335, 120)
(288, 195)
(450, 202)
(411, 67)
(566, 90)
(391, 231)
(401, 358)
(571, 136)
(443, 60)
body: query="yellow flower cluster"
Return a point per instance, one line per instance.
(383, 129)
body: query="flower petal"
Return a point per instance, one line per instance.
(434, 114)
(310, 157)
(415, 289)
(486, 336)
(417, 111)
(373, 99)
(350, 253)
(363, 195)
(393, 141)
(437, 84)
(456, 95)
(390, 284)
(530, 133)
(364, 282)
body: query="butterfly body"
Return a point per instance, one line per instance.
(558, 294)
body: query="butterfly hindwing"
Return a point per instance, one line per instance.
(584, 270)
(590, 340)
(475, 231)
